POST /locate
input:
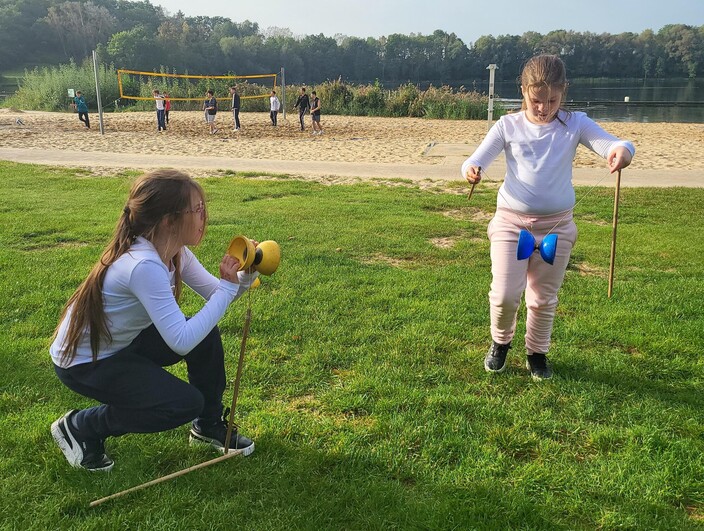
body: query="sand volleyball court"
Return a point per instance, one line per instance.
(433, 147)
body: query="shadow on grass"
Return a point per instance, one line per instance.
(681, 388)
(286, 485)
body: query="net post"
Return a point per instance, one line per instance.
(283, 91)
(97, 92)
(490, 111)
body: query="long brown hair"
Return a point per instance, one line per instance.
(543, 71)
(154, 196)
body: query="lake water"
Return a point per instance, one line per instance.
(657, 100)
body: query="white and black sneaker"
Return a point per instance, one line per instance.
(495, 359)
(80, 453)
(215, 434)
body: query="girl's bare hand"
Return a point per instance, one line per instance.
(473, 175)
(228, 269)
(619, 158)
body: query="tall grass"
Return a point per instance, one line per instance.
(363, 384)
(407, 100)
(46, 89)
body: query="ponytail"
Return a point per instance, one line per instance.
(154, 196)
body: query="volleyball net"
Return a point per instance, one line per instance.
(138, 85)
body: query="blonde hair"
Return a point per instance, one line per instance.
(154, 196)
(543, 71)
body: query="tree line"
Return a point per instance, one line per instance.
(142, 36)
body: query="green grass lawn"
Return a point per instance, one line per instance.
(363, 385)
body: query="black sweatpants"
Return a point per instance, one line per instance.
(83, 117)
(139, 396)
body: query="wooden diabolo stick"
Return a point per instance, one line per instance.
(612, 262)
(471, 190)
(230, 421)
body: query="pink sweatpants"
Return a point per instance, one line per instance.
(539, 280)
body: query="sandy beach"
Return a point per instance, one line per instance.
(661, 147)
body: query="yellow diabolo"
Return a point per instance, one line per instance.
(264, 258)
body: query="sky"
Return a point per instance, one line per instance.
(468, 19)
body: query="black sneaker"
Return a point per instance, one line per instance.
(539, 366)
(80, 453)
(215, 434)
(495, 360)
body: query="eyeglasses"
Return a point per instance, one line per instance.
(199, 209)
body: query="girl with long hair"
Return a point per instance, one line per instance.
(123, 325)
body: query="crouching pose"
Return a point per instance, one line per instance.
(123, 325)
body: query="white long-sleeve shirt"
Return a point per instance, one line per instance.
(539, 159)
(138, 290)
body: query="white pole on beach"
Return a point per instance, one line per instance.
(491, 68)
(97, 92)
(283, 91)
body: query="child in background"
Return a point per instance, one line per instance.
(303, 106)
(211, 109)
(274, 106)
(160, 111)
(235, 108)
(540, 143)
(315, 114)
(79, 103)
(123, 325)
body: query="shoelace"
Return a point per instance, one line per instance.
(224, 422)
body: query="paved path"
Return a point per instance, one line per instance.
(448, 170)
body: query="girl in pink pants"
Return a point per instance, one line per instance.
(540, 143)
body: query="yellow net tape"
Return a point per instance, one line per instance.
(122, 71)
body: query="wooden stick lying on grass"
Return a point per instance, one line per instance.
(228, 453)
(612, 262)
(166, 478)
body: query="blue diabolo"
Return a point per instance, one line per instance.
(526, 246)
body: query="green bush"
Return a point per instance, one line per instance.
(46, 89)
(336, 96)
(445, 103)
(402, 102)
(368, 100)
